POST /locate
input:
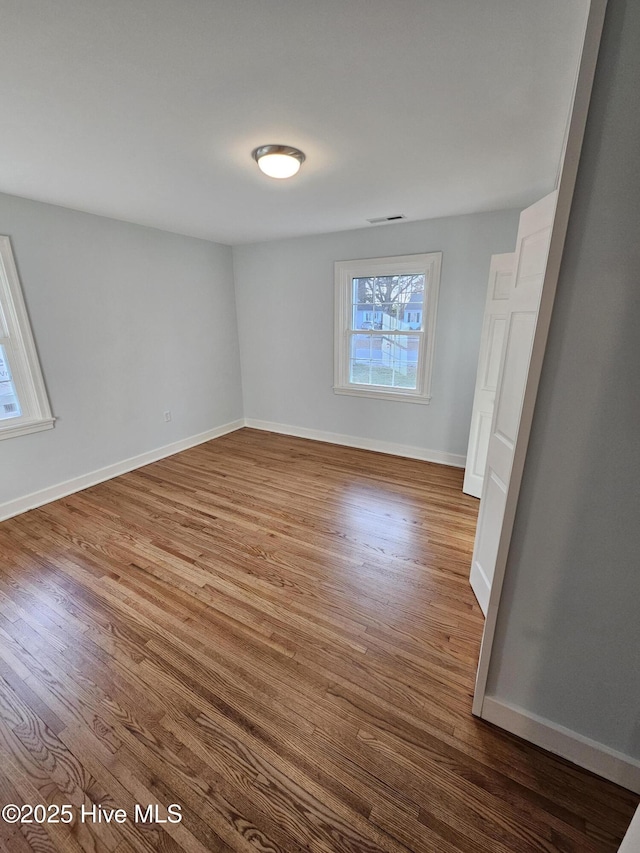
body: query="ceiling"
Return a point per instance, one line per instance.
(148, 110)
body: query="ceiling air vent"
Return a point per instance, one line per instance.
(380, 219)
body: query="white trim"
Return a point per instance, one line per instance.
(567, 181)
(77, 484)
(17, 338)
(25, 428)
(581, 750)
(383, 394)
(439, 456)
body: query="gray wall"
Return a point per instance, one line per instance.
(128, 322)
(568, 637)
(284, 293)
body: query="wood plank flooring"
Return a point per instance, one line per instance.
(278, 636)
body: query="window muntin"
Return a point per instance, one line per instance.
(24, 406)
(385, 324)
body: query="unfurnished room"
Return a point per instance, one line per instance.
(319, 426)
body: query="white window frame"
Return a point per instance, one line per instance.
(17, 339)
(428, 265)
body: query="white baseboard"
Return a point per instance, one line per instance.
(590, 754)
(439, 456)
(68, 487)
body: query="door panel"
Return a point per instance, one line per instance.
(496, 337)
(493, 329)
(521, 315)
(480, 446)
(516, 364)
(503, 278)
(486, 549)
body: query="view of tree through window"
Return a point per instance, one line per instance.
(385, 310)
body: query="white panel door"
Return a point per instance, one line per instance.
(532, 249)
(493, 326)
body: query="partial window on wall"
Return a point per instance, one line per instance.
(385, 326)
(24, 406)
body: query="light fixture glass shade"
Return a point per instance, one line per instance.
(278, 161)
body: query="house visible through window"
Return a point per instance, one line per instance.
(9, 405)
(385, 323)
(24, 406)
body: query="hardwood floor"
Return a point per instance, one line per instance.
(278, 636)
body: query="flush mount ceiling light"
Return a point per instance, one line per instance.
(278, 161)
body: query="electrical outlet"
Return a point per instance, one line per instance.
(167, 416)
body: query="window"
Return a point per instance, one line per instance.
(385, 324)
(24, 406)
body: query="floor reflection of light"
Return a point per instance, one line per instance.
(388, 533)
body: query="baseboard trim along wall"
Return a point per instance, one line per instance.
(441, 457)
(68, 487)
(587, 753)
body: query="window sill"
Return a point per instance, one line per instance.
(25, 428)
(396, 396)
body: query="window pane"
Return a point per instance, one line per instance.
(388, 360)
(9, 405)
(387, 302)
(363, 304)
